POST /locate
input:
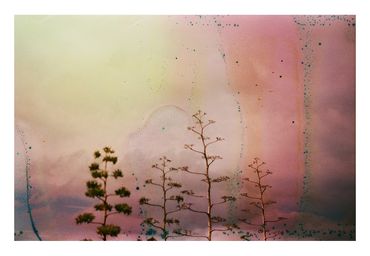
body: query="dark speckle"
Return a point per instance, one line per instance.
(280, 76)
(29, 147)
(292, 122)
(137, 188)
(236, 62)
(319, 43)
(281, 60)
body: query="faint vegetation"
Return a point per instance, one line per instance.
(169, 204)
(260, 202)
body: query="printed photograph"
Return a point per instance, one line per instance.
(185, 128)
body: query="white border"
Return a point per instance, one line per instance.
(7, 10)
(158, 7)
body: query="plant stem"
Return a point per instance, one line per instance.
(164, 199)
(263, 216)
(105, 201)
(209, 184)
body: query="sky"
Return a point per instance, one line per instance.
(281, 88)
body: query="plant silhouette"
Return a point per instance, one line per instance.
(260, 202)
(213, 221)
(98, 188)
(165, 185)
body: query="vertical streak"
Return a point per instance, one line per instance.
(306, 24)
(234, 186)
(28, 185)
(307, 52)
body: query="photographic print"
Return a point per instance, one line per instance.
(174, 128)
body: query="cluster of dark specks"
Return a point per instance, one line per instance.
(306, 21)
(209, 21)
